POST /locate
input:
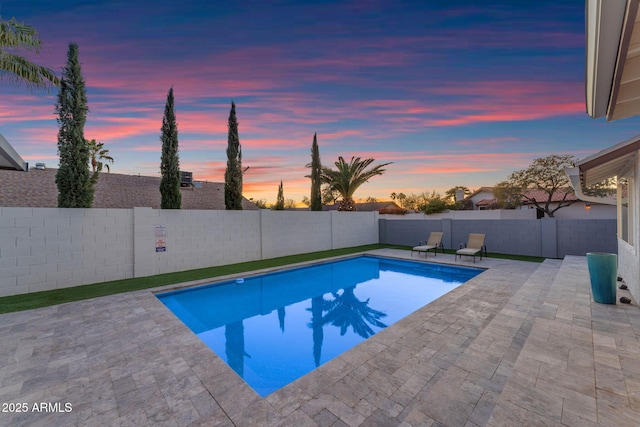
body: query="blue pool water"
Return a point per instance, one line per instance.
(274, 328)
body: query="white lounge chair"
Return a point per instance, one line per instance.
(434, 242)
(474, 245)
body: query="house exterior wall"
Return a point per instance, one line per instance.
(629, 267)
(628, 254)
(50, 248)
(480, 196)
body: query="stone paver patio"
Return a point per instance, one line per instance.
(520, 344)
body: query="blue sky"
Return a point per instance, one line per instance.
(453, 93)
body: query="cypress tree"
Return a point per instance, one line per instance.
(75, 182)
(233, 174)
(316, 170)
(279, 206)
(170, 163)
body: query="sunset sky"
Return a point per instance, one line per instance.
(453, 93)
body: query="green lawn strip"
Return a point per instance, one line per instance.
(505, 256)
(77, 293)
(489, 255)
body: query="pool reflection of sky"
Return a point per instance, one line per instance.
(275, 328)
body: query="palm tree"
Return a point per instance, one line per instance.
(15, 34)
(99, 153)
(348, 178)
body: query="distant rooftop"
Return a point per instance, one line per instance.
(37, 188)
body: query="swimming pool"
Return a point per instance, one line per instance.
(274, 328)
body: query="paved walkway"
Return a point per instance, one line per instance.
(520, 344)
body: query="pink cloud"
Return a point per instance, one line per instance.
(437, 170)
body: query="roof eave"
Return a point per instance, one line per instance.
(608, 163)
(604, 24)
(576, 180)
(9, 158)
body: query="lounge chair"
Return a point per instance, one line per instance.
(434, 242)
(474, 246)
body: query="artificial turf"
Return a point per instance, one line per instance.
(58, 296)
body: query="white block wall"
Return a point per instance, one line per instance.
(354, 229)
(292, 232)
(49, 248)
(198, 239)
(43, 249)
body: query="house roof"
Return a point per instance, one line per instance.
(541, 196)
(612, 78)
(485, 202)
(37, 188)
(480, 190)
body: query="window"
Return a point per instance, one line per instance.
(625, 209)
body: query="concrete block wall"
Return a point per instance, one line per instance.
(292, 232)
(577, 237)
(144, 222)
(547, 237)
(549, 241)
(199, 239)
(508, 236)
(43, 249)
(353, 229)
(49, 248)
(408, 232)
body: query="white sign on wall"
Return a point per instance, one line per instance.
(161, 242)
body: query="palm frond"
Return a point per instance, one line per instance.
(347, 177)
(17, 34)
(15, 67)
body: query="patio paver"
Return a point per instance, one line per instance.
(520, 344)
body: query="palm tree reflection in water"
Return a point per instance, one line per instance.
(281, 316)
(343, 311)
(317, 307)
(234, 346)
